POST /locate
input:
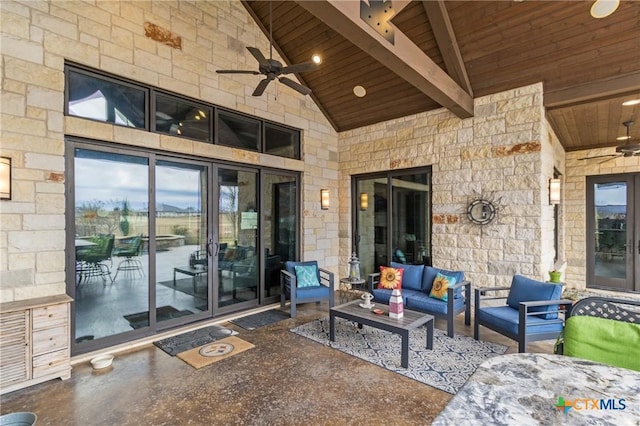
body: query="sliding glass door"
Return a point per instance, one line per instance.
(392, 217)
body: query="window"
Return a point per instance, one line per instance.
(238, 131)
(177, 117)
(105, 100)
(281, 141)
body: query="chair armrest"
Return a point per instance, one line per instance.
(563, 306)
(480, 294)
(327, 278)
(286, 276)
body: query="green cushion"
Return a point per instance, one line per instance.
(306, 276)
(603, 340)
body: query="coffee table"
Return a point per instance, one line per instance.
(410, 321)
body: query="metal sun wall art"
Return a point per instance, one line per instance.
(482, 210)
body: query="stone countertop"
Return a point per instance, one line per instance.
(525, 389)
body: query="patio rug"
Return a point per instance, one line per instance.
(163, 313)
(447, 367)
(261, 319)
(212, 352)
(193, 339)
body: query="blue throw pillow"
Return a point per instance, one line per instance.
(306, 276)
(527, 290)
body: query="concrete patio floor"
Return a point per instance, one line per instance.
(286, 380)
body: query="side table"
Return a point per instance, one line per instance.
(347, 284)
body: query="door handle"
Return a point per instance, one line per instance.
(209, 244)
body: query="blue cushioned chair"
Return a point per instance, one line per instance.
(534, 311)
(322, 290)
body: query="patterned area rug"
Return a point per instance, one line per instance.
(447, 367)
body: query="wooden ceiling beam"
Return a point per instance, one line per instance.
(447, 43)
(403, 57)
(589, 92)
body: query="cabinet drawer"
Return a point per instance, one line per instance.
(50, 363)
(50, 339)
(49, 316)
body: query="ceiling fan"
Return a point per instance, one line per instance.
(626, 150)
(272, 68)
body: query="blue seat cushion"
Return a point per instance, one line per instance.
(411, 277)
(430, 274)
(383, 295)
(420, 301)
(506, 318)
(312, 293)
(527, 290)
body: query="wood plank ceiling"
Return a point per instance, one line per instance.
(588, 66)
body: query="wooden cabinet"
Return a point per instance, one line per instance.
(34, 341)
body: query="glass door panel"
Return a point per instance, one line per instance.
(372, 224)
(238, 221)
(411, 224)
(279, 232)
(611, 225)
(182, 261)
(111, 227)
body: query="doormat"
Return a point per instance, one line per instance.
(447, 367)
(261, 319)
(163, 313)
(193, 339)
(212, 352)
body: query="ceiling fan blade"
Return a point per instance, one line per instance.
(259, 56)
(261, 87)
(295, 86)
(597, 156)
(237, 72)
(609, 159)
(304, 67)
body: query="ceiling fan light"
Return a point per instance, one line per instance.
(604, 8)
(623, 138)
(631, 102)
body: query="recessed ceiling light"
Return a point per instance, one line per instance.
(631, 102)
(604, 8)
(316, 59)
(359, 91)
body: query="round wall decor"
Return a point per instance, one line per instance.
(481, 212)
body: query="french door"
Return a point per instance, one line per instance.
(392, 218)
(613, 232)
(159, 241)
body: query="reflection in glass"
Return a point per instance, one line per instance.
(281, 141)
(410, 234)
(111, 262)
(182, 263)
(610, 203)
(105, 100)
(238, 260)
(279, 229)
(238, 131)
(184, 119)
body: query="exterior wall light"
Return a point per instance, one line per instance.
(554, 191)
(364, 201)
(324, 199)
(5, 178)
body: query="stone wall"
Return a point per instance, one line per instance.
(173, 45)
(575, 204)
(504, 153)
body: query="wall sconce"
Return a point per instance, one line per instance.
(364, 201)
(554, 191)
(324, 199)
(5, 178)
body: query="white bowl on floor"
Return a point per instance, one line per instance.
(102, 361)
